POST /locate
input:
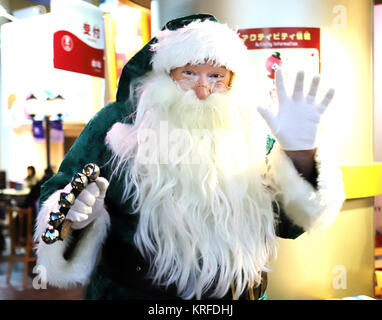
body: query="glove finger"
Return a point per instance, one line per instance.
(88, 196)
(81, 207)
(76, 216)
(281, 92)
(326, 101)
(298, 91)
(311, 97)
(269, 117)
(102, 184)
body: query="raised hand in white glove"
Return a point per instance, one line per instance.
(89, 204)
(296, 124)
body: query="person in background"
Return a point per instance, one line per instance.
(32, 198)
(31, 178)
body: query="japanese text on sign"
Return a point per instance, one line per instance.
(91, 31)
(259, 38)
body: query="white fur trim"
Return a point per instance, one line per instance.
(116, 137)
(69, 273)
(198, 42)
(306, 206)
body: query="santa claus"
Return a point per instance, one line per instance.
(193, 192)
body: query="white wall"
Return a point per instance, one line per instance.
(378, 104)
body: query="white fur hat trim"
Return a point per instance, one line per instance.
(199, 42)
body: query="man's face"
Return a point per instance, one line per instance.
(204, 79)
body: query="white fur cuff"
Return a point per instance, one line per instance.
(307, 207)
(69, 273)
(118, 137)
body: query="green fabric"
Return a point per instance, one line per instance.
(102, 288)
(89, 147)
(137, 66)
(264, 296)
(270, 143)
(185, 20)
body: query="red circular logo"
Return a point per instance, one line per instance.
(67, 43)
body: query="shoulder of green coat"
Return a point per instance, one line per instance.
(88, 147)
(109, 114)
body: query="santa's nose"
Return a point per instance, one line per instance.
(202, 88)
(202, 92)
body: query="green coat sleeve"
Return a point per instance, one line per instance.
(89, 147)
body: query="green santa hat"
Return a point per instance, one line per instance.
(191, 39)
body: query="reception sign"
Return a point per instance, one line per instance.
(79, 40)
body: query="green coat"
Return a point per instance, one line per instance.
(90, 147)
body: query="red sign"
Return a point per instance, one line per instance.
(73, 54)
(276, 38)
(78, 37)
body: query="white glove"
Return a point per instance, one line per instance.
(296, 124)
(89, 204)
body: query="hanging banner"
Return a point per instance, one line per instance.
(289, 48)
(38, 131)
(56, 131)
(79, 40)
(44, 2)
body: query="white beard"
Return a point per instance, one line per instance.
(206, 218)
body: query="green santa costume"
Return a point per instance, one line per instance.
(110, 255)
